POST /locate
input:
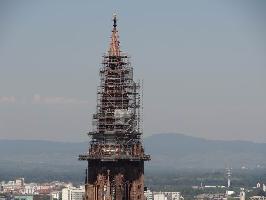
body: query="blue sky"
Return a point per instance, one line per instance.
(203, 64)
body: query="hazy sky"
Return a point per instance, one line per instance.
(203, 65)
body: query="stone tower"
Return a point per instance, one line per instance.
(116, 155)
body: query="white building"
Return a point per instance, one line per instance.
(159, 196)
(167, 196)
(229, 192)
(73, 193)
(55, 195)
(30, 188)
(10, 186)
(148, 194)
(20, 182)
(264, 187)
(173, 195)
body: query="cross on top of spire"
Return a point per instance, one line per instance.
(114, 49)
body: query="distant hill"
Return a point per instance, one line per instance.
(41, 160)
(180, 151)
(169, 151)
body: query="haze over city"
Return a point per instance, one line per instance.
(203, 64)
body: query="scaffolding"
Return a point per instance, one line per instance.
(117, 121)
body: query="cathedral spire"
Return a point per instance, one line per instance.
(115, 154)
(114, 49)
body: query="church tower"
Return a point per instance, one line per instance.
(116, 155)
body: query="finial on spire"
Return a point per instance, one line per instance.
(114, 20)
(114, 49)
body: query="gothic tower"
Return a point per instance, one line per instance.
(116, 156)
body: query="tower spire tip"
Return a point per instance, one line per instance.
(114, 20)
(114, 49)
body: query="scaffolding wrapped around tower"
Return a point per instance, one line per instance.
(115, 145)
